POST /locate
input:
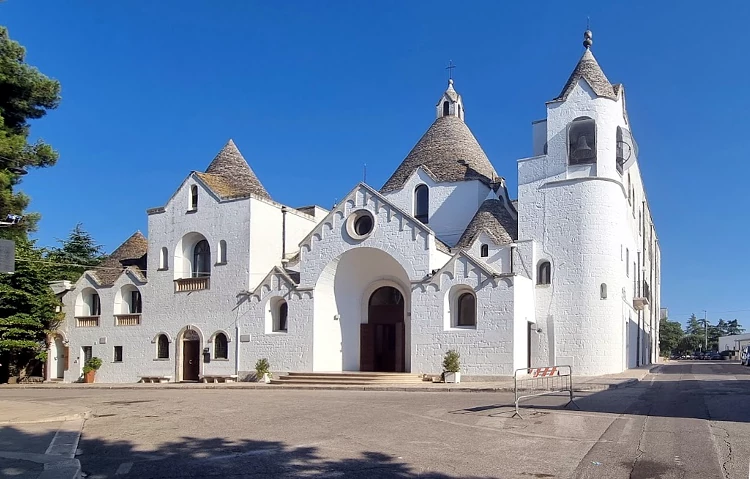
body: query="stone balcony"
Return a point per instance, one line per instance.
(87, 321)
(184, 285)
(133, 319)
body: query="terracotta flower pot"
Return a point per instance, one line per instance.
(89, 377)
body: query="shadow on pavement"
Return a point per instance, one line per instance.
(219, 457)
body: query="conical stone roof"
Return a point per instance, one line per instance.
(449, 152)
(494, 218)
(132, 253)
(230, 176)
(588, 69)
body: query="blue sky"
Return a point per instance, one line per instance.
(311, 91)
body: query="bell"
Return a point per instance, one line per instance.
(583, 150)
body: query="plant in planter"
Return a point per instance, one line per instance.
(262, 370)
(452, 367)
(90, 368)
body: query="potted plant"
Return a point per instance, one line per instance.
(452, 367)
(90, 368)
(262, 371)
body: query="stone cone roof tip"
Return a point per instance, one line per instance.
(130, 253)
(236, 178)
(449, 151)
(589, 70)
(494, 218)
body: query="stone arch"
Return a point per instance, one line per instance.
(179, 355)
(183, 259)
(222, 331)
(86, 304)
(124, 301)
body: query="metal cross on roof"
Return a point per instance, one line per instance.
(450, 68)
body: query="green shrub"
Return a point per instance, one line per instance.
(262, 367)
(92, 364)
(451, 362)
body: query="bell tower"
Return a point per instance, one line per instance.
(450, 104)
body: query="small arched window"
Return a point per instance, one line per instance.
(459, 111)
(164, 258)
(222, 252)
(95, 305)
(221, 346)
(544, 274)
(603, 291)
(193, 197)
(582, 141)
(446, 108)
(630, 190)
(282, 316)
(201, 259)
(484, 251)
(467, 310)
(162, 347)
(422, 203)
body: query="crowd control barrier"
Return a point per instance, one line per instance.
(532, 382)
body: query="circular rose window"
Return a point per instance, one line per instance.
(360, 224)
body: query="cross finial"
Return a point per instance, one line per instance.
(450, 68)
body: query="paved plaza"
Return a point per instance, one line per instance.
(688, 419)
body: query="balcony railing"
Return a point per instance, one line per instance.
(127, 319)
(87, 321)
(191, 284)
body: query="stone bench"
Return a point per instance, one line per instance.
(155, 379)
(218, 378)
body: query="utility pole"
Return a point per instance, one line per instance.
(705, 327)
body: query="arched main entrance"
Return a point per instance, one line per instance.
(191, 350)
(381, 343)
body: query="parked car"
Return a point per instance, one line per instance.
(715, 356)
(745, 356)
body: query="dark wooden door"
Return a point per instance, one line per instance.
(400, 347)
(366, 347)
(66, 355)
(190, 360)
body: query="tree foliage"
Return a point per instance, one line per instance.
(670, 334)
(25, 94)
(79, 248)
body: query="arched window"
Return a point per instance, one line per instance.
(162, 347)
(95, 305)
(484, 251)
(544, 275)
(282, 316)
(135, 305)
(201, 259)
(582, 141)
(422, 203)
(221, 346)
(466, 309)
(193, 197)
(446, 108)
(603, 291)
(459, 111)
(222, 252)
(164, 258)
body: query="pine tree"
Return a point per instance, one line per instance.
(79, 248)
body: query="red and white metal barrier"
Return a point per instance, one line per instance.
(532, 382)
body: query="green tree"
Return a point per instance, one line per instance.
(694, 326)
(79, 248)
(25, 94)
(27, 311)
(689, 343)
(670, 334)
(734, 327)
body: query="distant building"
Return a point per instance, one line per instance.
(439, 258)
(734, 343)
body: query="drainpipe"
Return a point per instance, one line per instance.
(512, 253)
(237, 348)
(283, 232)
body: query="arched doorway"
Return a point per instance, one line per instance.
(382, 337)
(191, 349)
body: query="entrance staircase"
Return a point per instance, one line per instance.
(353, 378)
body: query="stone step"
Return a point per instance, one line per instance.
(343, 382)
(348, 378)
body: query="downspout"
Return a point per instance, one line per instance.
(283, 232)
(237, 348)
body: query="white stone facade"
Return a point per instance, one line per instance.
(232, 276)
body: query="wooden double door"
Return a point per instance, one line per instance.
(382, 338)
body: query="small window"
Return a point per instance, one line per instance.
(484, 251)
(164, 258)
(363, 225)
(582, 141)
(640, 224)
(422, 203)
(118, 354)
(222, 252)
(459, 111)
(630, 190)
(135, 302)
(467, 310)
(96, 305)
(201, 259)
(282, 316)
(603, 291)
(88, 353)
(544, 275)
(162, 347)
(446, 108)
(221, 346)
(193, 197)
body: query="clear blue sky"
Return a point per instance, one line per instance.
(310, 91)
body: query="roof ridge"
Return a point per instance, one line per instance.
(232, 167)
(132, 252)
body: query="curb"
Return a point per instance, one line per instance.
(70, 469)
(70, 417)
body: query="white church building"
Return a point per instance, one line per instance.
(440, 257)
